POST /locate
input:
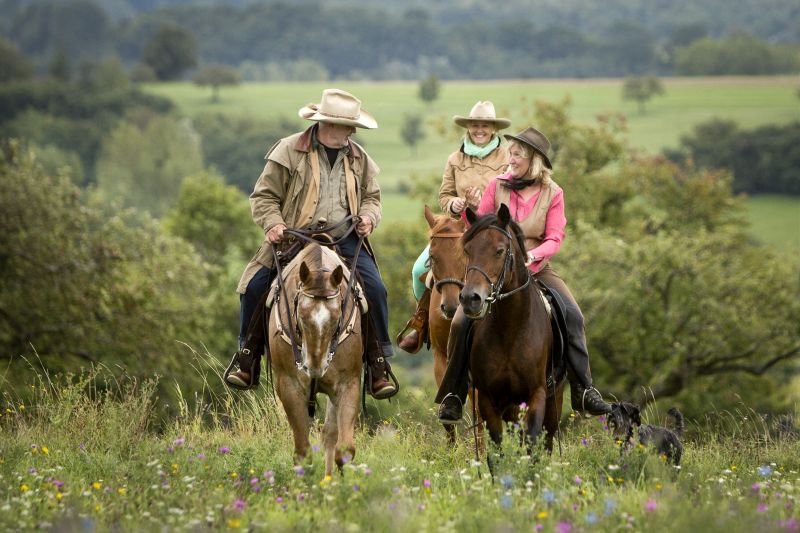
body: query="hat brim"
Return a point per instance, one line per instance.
(535, 148)
(499, 123)
(364, 120)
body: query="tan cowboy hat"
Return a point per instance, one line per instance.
(484, 112)
(338, 107)
(536, 140)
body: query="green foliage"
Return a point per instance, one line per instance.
(82, 287)
(60, 67)
(738, 54)
(762, 160)
(170, 52)
(236, 144)
(142, 166)
(412, 132)
(641, 89)
(216, 75)
(429, 89)
(214, 217)
(13, 65)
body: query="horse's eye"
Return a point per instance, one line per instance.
(499, 252)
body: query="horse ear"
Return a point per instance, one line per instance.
(336, 276)
(471, 216)
(305, 273)
(503, 215)
(429, 216)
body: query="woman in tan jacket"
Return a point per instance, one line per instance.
(466, 173)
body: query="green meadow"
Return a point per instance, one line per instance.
(750, 101)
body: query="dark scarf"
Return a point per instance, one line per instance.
(516, 184)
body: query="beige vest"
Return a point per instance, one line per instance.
(533, 225)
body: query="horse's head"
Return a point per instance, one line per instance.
(318, 307)
(446, 259)
(493, 246)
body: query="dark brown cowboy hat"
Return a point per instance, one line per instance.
(536, 140)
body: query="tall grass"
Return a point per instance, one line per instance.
(87, 452)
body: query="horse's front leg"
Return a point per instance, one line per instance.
(294, 398)
(494, 424)
(534, 420)
(330, 433)
(347, 414)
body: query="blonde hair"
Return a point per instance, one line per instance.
(538, 169)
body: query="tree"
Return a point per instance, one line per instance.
(429, 89)
(412, 131)
(170, 52)
(641, 89)
(216, 75)
(60, 67)
(81, 287)
(13, 65)
(143, 166)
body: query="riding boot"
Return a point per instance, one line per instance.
(453, 390)
(584, 397)
(248, 357)
(378, 383)
(418, 324)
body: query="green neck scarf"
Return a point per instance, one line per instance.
(480, 151)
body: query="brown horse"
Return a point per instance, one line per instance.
(447, 264)
(512, 337)
(316, 293)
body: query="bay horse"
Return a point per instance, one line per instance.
(447, 265)
(326, 327)
(511, 333)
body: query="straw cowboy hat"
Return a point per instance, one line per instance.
(338, 107)
(536, 140)
(484, 112)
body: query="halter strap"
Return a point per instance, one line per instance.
(447, 281)
(495, 288)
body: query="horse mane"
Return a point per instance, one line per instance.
(492, 219)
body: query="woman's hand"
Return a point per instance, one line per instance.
(473, 197)
(458, 205)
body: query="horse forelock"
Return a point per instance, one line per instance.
(446, 224)
(320, 261)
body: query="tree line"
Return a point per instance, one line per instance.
(293, 40)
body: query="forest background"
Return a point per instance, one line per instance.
(125, 221)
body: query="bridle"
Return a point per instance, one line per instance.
(495, 288)
(445, 281)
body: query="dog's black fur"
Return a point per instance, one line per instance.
(625, 417)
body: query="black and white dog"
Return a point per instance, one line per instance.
(625, 417)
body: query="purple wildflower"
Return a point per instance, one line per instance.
(578, 480)
(224, 449)
(563, 527)
(201, 456)
(762, 508)
(426, 483)
(584, 441)
(178, 441)
(651, 505)
(789, 525)
(299, 470)
(755, 487)
(356, 487)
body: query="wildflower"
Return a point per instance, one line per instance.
(96, 485)
(32, 471)
(299, 470)
(421, 507)
(584, 441)
(224, 449)
(659, 486)
(315, 448)
(178, 441)
(253, 480)
(427, 485)
(57, 483)
(507, 481)
(539, 527)
(541, 514)
(591, 518)
(762, 508)
(239, 504)
(610, 506)
(45, 450)
(523, 406)
(765, 470)
(234, 523)
(789, 525)
(578, 480)
(367, 472)
(121, 491)
(234, 475)
(505, 501)
(563, 527)
(201, 456)
(755, 487)
(59, 496)
(549, 496)
(356, 487)
(278, 500)
(651, 505)
(24, 488)
(301, 497)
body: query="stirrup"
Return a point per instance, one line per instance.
(229, 369)
(389, 376)
(412, 325)
(584, 412)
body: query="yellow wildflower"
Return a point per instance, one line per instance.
(122, 491)
(96, 485)
(541, 514)
(658, 486)
(45, 450)
(23, 488)
(234, 523)
(59, 496)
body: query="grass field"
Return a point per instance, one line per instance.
(775, 220)
(687, 101)
(87, 454)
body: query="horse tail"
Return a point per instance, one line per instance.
(678, 420)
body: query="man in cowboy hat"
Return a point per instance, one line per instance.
(316, 178)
